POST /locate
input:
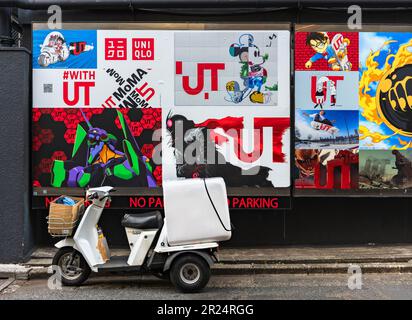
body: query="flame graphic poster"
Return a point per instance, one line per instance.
(385, 91)
(331, 68)
(385, 110)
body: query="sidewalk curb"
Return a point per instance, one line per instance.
(24, 273)
(245, 269)
(15, 271)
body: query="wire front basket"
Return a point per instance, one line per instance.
(59, 227)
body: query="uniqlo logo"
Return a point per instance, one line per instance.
(115, 49)
(143, 49)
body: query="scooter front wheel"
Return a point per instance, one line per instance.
(70, 267)
(189, 273)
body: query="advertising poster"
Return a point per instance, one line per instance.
(327, 90)
(231, 93)
(326, 116)
(108, 106)
(326, 169)
(353, 95)
(230, 68)
(115, 69)
(251, 158)
(385, 91)
(383, 169)
(326, 129)
(78, 147)
(385, 120)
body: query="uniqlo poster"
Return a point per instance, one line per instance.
(221, 68)
(353, 110)
(326, 110)
(106, 103)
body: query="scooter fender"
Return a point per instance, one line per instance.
(67, 242)
(202, 254)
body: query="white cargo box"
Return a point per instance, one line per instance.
(190, 216)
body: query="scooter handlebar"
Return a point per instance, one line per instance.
(104, 197)
(93, 195)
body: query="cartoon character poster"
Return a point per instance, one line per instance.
(236, 68)
(326, 51)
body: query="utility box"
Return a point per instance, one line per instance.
(196, 210)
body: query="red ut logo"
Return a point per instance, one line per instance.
(322, 85)
(338, 42)
(201, 69)
(77, 86)
(233, 127)
(340, 173)
(77, 47)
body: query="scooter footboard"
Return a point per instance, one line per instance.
(140, 242)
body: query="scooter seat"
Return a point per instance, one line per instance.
(147, 220)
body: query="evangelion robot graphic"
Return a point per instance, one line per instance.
(96, 160)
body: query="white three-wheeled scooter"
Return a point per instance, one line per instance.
(182, 246)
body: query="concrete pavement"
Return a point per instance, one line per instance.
(273, 260)
(283, 260)
(231, 287)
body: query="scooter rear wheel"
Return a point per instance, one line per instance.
(71, 267)
(189, 273)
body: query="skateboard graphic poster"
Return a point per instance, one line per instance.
(329, 129)
(108, 105)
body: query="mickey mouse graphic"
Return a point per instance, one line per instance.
(253, 74)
